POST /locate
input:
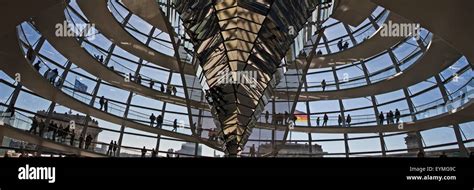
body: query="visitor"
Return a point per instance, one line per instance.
(348, 120)
(388, 117)
(159, 121)
(139, 79)
(345, 46)
(325, 120)
(37, 66)
(111, 147)
(101, 59)
(152, 83)
(323, 84)
(397, 115)
(317, 121)
(143, 152)
(174, 90)
(285, 118)
(115, 148)
(106, 105)
(46, 73)
(81, 140)
(193, 128)
(339, 45)
(381, 118)
(54, 74)
(88, 141)
(175, 125)
(153, 153)
(30, 54)
(162, 88)
(392, 121)
(199, 131)
(152, 119)
(319, 52)
(66, 132)
(252, 150)
(73, 135)
(101, 102)
(339, 120)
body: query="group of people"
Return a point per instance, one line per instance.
(104, 103)
(59, 133)
(99, 58)
(170, 89)
(390, 117)
(340, 120)
(280, 119)
(159, 120)
(51, 75)
(113, 147)
(342, 46)
(153, 152)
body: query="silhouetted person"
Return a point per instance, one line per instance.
(348, 120)
(193, 128)
(175, 125)
(339, 45)
(323, 84)
(106, 105)
(81, 140)
(111, 147)
(319, 52)
(392, 121)
(143, 151)
(153, 153)
(30, 54)
(46, 73)
(339, 120)
(159, 121)
(139, 79)
(101, 59)
(73, 136)
(53, 75)
(388, 117)
(325, 120)
(152, 83)
(37, 66)
(267, 115)
(317, 121)
(397, 115)
(252, 150)
(115, 148)
(88, 141)
(162, 88)
(381, 118)
(174, 90)
(346, 45)
(101, 102)
(286, 117)
(152, 119)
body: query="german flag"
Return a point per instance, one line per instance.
(301, 116)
